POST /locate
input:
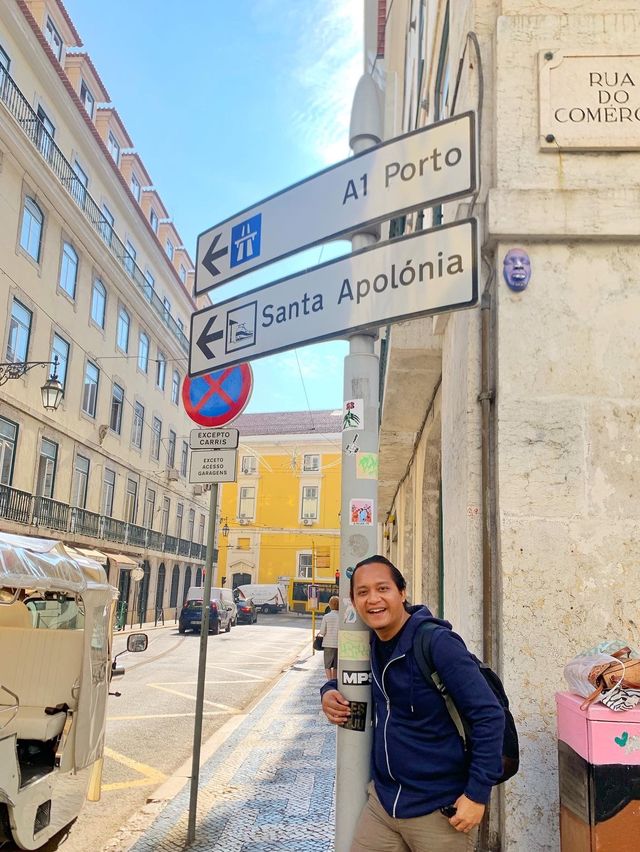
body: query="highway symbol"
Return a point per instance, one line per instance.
(217, 398)
(427, 272)
(212, 254)
(207, 336)
(420, 169)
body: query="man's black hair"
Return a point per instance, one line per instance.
(396, 576)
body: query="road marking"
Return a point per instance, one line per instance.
(149, 774)
(252, 676)
(166, 716)
(164, 688)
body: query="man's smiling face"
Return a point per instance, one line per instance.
(378, 601)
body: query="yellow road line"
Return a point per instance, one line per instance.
(163, 688)
(148, 773)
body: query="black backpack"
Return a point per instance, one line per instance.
(510, 747)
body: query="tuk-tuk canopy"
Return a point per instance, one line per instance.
(49, 565)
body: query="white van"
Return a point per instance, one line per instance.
(268, 597)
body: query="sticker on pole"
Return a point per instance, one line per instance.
(218, 397)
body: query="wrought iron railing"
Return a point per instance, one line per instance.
(43, 512)
(36, 132)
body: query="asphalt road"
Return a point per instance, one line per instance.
(150, 727)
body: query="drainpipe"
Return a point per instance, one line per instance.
(489, 836)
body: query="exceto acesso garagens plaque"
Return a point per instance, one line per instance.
(589, 101)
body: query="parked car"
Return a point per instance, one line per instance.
(221, 615)
(247, 612)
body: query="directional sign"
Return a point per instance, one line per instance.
(436, 163)
(212, 466)
(424, 273)
(219, 397)
(214, 439)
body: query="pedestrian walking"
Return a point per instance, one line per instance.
(329, 632)
(427, 794)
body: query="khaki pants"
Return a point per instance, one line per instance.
(376, 831)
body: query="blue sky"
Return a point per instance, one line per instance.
(228, 102)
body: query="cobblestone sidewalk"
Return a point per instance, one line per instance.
(269, 787)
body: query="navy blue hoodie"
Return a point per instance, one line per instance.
(418, 760)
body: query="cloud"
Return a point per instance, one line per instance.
(325, 62)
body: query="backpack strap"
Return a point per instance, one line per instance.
(422, 655)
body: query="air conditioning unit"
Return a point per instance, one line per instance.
(172, 474)
(197, 490)
(243, 521)
(307, 522)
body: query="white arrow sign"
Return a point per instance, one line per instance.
(424, 273)
(436, 163)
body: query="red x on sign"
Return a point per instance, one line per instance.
(217, 398)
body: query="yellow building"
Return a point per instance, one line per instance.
(283, 512)
(93, 273)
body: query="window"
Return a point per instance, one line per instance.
(68, 270)
(122, 335)
(171, 449)
(47, 468)
(183, 274)
(60, 347)
(305, 569)
(54, 38)
(80, 481)
(143, 352)
(46, 130)
(87, 98)
(244, 543)
(180, 324)
(168, 247)
(247, 503)
(156, 436)
(167, 309)
(5, 62)
(90, 390)
(114, 148)
(248, 464)
(98, 303)
(201, 530)
(311, 462)
(8, 441)
(179, 517)
(310, 502)
(161, 371)
(130, 258)
(19, 332)
(107, 224)
(138, 425)
(31, 231)
(135, 187)
(79, 190)
(131, 501)
(192, 521)
(117, 404)
(149, 508)
(175, 387)
(149, 286)
(108, 490)
(184, 458)
(153, 219)
(166, 508)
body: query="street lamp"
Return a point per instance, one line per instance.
(52, 390)
(225, 529)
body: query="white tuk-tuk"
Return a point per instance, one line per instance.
(56, 616)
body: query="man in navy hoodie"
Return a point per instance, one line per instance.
(427, 794)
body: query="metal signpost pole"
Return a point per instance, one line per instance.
(358, 522)
(202, 664)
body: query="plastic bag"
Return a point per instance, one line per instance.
(577, 671)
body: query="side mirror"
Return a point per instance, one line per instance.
(137, 642)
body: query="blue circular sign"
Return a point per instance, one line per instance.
(217, 398)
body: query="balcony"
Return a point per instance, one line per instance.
(34, 130)
(43, 513)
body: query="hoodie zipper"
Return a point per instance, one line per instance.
(386, 721)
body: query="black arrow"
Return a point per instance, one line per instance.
(206, 337)
(211, 255)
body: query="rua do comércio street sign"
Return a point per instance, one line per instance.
(424, 273)
(434, 164)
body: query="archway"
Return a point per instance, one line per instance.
(175, 582)
(187, 583)
(160, 589)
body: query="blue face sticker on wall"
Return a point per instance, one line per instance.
(349, 572)
(517, 269)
